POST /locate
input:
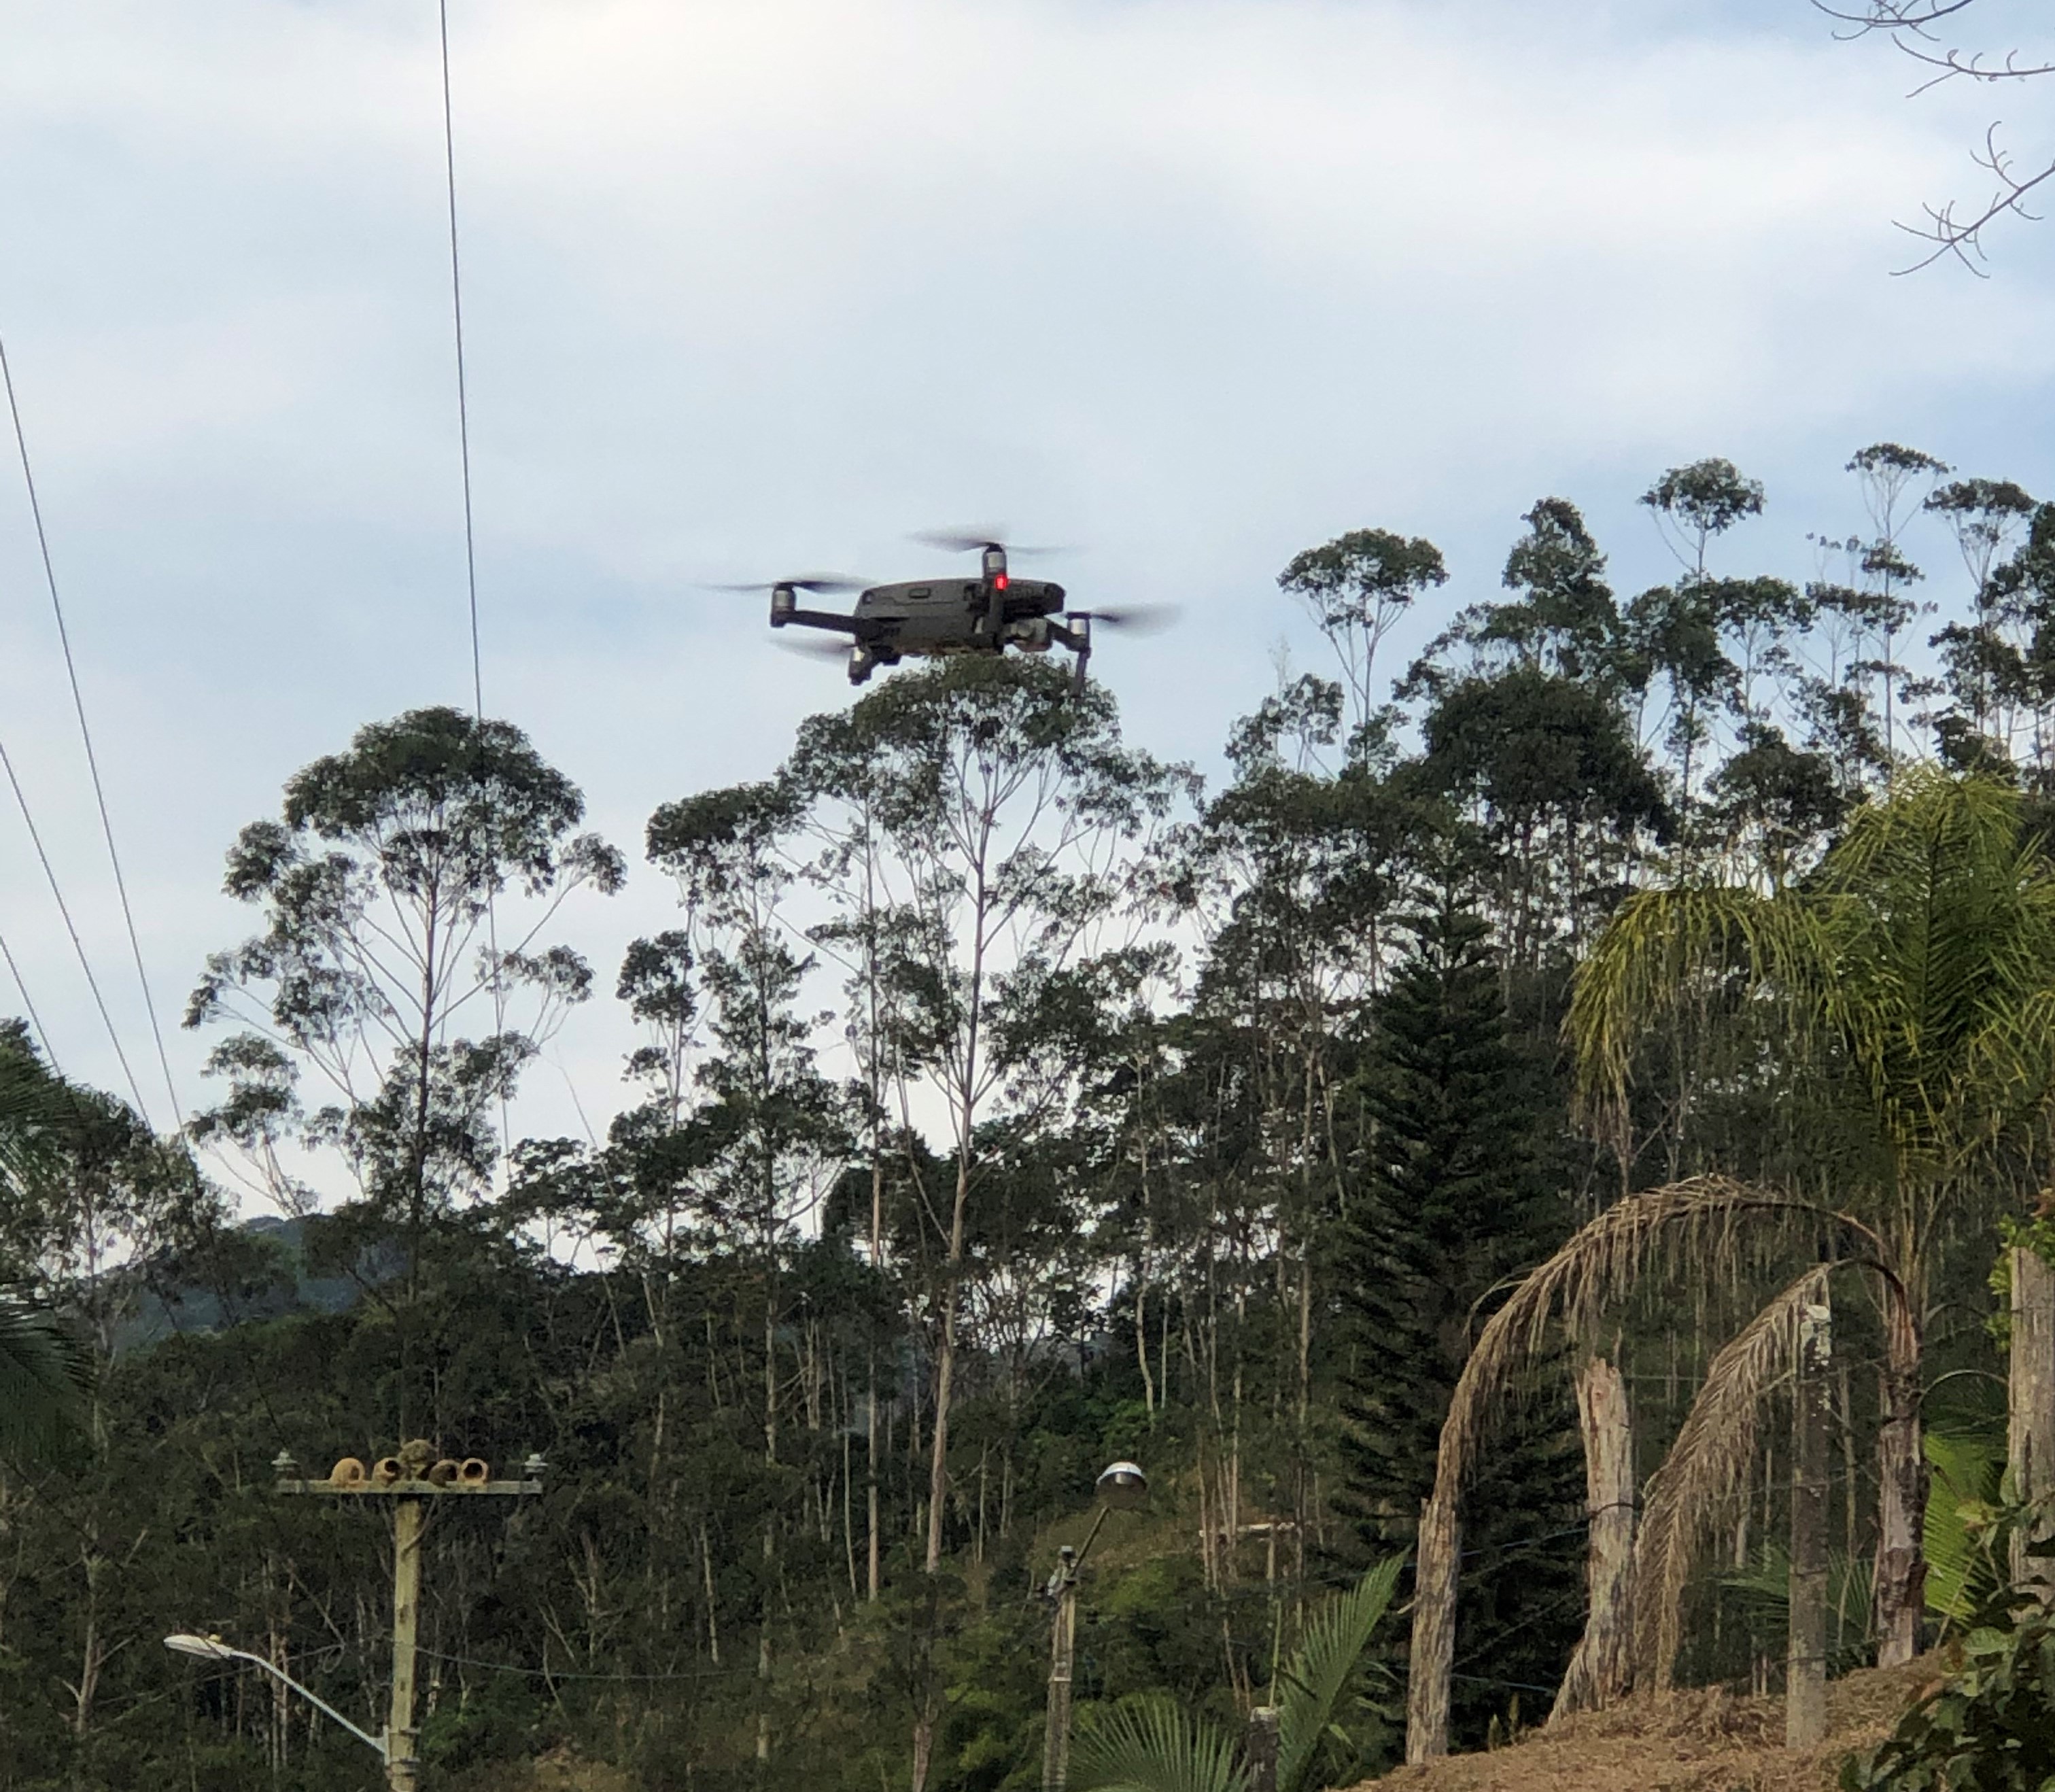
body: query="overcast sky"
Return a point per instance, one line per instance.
(758, 285)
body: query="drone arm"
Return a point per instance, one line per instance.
(824, 619)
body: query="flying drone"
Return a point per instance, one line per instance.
(932, 616)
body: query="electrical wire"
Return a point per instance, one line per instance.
(35, 1020)
(92, 759)
(463, 397)
(77, 944)
(553, 1674)
(470, 527)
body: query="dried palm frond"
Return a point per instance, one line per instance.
(1707, 1469)
(1718, 1226)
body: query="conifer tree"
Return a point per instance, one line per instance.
(1457, 1197)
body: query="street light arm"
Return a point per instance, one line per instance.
(221, 1651)
(1092, 1537)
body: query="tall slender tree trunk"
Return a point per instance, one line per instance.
(2030, 1404)
(1600, 1669)
(945, 1365)
(1900, 1574)
(1433, 1629)
(1812, 1418)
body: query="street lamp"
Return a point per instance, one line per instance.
(212, 1648)
(1122, 1487)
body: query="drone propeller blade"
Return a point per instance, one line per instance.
(821, 582)
(968, 539)
(824, 648)
(971, 539)
(1138, 619)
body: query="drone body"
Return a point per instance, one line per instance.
(933, 616)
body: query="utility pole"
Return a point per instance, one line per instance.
(1063, 1589)
(1122, 1486)
(410, 1480)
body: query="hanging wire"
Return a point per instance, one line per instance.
(469, 528)
(463, 399)
(77, 945)
(92, 766)
(29, 1007)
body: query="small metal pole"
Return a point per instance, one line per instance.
(1260, 1749)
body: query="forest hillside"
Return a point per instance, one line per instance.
(1624, 1027)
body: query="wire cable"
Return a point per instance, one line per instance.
(470, 527)
(462, 398)
(92, 760)
(28, 1003)
(77, 944)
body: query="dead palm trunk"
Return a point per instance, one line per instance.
(1812, 1412)
(1602, 1667)
(1433, 1629)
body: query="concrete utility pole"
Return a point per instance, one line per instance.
(410, 1480)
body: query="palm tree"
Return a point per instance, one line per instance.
(45, 1371)
(1911, 983)
(1151, 1746)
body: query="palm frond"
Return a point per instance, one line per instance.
(1962, 1571)
(1321, 1667)
(1148, 1745)
(1717, 1224)
(1764, 1589)
(1707, 1468)
(46, 1377)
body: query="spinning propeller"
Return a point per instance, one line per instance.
(802, 582)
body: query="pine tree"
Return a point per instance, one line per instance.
(1456, 1197)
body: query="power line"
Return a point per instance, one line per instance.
(470, 529)
(77, 945)
(35, 1020)
(92, 760)
(554, 1674)
(462, 402)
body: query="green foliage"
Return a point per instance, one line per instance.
(1987, 1725)
(1149, 1744)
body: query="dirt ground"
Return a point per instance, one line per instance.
(1692, 1740)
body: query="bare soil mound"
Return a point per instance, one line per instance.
(1698, 1740)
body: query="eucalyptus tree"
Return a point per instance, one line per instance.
(772, 1140)
(1014, 813)
(379, 970)
(1526, 726)
(1357, 586)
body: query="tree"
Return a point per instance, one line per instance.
(379, 887)
(1458, 1195)
(382, 886)
(1357, 586)
(1011, 807)
(1916, 27)
(46, 1374)
(1910, 977)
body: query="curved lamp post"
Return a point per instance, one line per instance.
(212, 1648)
(1122, 1487)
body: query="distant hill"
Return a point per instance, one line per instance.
(258, 1271)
